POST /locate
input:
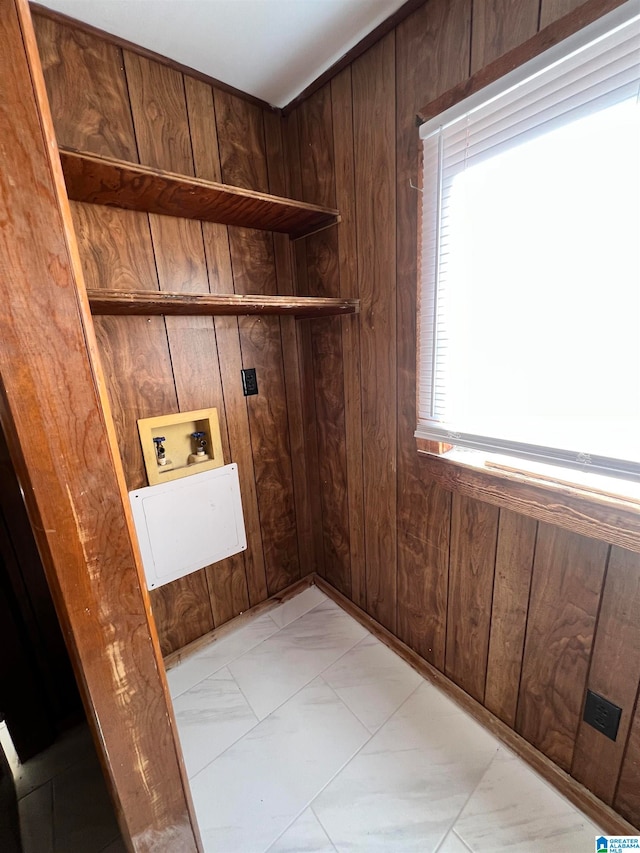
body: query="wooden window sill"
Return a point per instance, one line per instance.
(594, 512)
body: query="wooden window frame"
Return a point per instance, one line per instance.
(590, 512)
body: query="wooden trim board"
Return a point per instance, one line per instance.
(613, 520)
(357, 50)
(605, 817)
(551, 35)
(54, 410)
(179, 655)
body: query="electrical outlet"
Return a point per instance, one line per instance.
(602, 714)
(249, 382)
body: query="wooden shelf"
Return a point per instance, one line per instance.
(142, 302)
(102, 180)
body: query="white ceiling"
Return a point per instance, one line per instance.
(271, 49)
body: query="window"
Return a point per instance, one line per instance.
(530, 296)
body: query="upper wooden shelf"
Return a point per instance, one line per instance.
(144, 302)
(102, 180)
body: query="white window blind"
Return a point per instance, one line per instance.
(530, 260)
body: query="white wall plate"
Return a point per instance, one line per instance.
(189, 523)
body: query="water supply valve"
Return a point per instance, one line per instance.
(200, 444)
(161, 453)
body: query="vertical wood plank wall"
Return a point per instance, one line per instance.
(115, 102)
(522, 615)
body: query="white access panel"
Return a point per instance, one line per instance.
(186, 524)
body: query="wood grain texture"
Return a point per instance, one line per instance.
(284, 262)
(500, 25)
(474, 531)
(228, 591)
(72, 481)
(183, 609)
(195, 604)
(613, 520)
(551, 10)
(601, 814)
(141, 303)
(423, 583)
(87, 90)
(344, 164)
(291, 140)
(230, 358)
(235, 582)
(159, 114)
(511, 585)
(389, 24)
(44, 12)
(261, 345)
(102, 180)
(614, 673)
(241, 141)
(116, 250)
(244, 163)
(137, 367)
(432, 54)
(567, 580)
(253, 266)
(373, 80)
(550, 35)
(323, 279)
(627, 800)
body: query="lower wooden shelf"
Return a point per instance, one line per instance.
(142, 302)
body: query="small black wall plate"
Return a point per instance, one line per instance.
(249, 381)
(602, 714)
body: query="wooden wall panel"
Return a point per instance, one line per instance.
(117, 253)
(511, 586)
(344, 164)
(52, 388)
(240, 581)
(241, 140)
(323, 279)
(567, 581)
(373, 80)
(474, 532)
(551, 10)
(293, 178)
(432, 54)
(614, 674)
(159, 114)
(498, 26)
(627, 800)
(243, 160)
(183, 608)
(262, 345)
(342, 392)
(279, 185)
(87, 90)
(423, 586)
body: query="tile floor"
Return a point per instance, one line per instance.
(302, 732)
(63, 801)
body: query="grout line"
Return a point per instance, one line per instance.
(231, 660)
(326, 832)
(259, 720)
(471, 793)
